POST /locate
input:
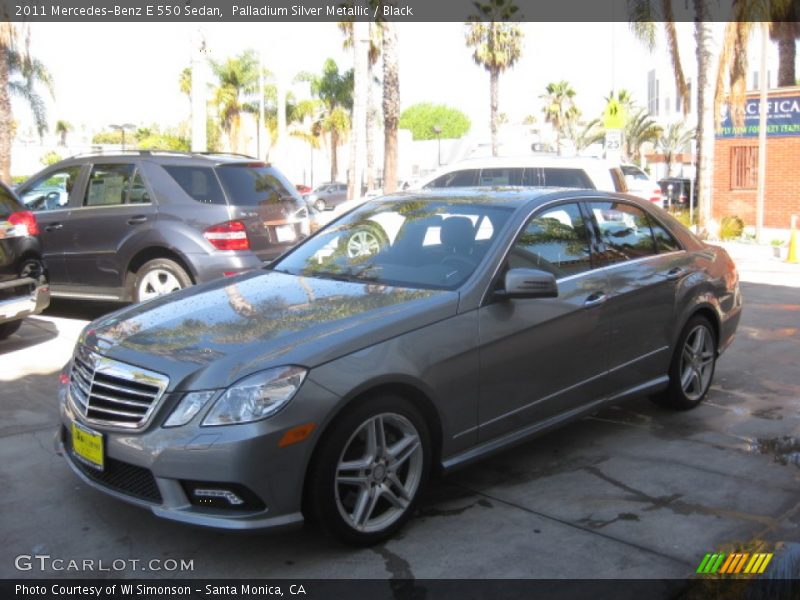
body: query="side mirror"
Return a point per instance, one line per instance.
(528, 283)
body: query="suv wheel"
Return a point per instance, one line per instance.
(159, 277)
(320, 205)
(369, 471)
(8, 329)
(692, 368)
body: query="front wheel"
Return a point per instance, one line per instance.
(369, 470)
(692, 368)
(9, 328)
(159, 277)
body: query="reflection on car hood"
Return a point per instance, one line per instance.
(209, 336)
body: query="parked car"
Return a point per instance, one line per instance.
(534, 170)
(642, 185)
(23, 279)
(677, 190)
(331, 385)
(327, 196)
(138, 225)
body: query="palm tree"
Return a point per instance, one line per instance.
(20, 76)
(673, 140)
(584, 135)
(497, 44)
(784, 30)
(639, 129)
(391, 104)
(238, 84)
(335, 93)
(62, 129)
(361, 84)
(559, 108)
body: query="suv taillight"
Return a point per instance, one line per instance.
(655, 197)
(24, 223)
(231, 235)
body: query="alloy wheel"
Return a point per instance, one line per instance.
(362, 243)
(379, 472)
(157, 283)
(697, 362)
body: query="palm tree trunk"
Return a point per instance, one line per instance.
(334, 156)
(391, 106)
(494, 81)
(786, 56)
(360, 83)
(705, 113)
(6, 116)
(370, 139)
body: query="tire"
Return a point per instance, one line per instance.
(320, 205)
(363, 505)
(159, 277)
(8, 329)
(366, 240)
(691, 369)
(34, 268)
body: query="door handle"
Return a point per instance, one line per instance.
(137, 219)
(595, 299)
(676, 273)
(54, 227)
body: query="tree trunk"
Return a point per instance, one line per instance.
(494, 80)
(334, 156)
(370, 140)
(391, 106)
(357, 133)
(705, 115)
(786, 57)
(6, 116)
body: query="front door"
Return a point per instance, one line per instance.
(542, 357)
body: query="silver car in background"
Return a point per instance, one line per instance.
(330, 385)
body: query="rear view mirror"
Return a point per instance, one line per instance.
(529, 283)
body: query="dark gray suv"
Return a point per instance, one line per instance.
(139, 225)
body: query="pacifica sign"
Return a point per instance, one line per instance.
(783, 118)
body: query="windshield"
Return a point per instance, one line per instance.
(255, 184)
(433, 244)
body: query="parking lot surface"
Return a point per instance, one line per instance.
(632, 492)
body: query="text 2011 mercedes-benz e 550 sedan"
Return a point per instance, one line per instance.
(415, 333)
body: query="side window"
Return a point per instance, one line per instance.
(500, 177)
(624, 229)
(556, 241)
(465, 178)
(199, 182)
(569, 178)
(108, 184)
(664, 240)
(138, 193)
(52, 191)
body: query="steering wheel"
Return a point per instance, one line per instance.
(51, 200)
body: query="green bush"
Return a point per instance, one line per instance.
(683, 217)
(731, 228)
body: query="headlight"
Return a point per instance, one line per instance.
(256, 397)
(188, 407)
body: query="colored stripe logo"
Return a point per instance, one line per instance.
(735, 563)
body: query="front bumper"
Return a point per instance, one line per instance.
(151, 468)
(28, 298)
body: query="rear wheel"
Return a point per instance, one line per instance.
(159, 277)
(9, 329)
(692, 368)
(320, 205)
(369, 470)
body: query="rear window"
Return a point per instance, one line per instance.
(255, 185)
(199, 182)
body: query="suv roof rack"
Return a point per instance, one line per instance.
(107, 152)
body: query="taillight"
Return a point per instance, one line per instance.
(24, 223)
(655, 197)
(231, 235)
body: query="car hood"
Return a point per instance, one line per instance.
(210, 336)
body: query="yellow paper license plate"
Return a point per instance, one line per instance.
(88, 446)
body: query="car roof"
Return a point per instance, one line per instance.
(528, 160)
(165, 157)
(507, 196)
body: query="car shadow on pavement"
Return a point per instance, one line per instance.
(32, 332)
(81, 309)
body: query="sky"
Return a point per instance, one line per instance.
(128, 73)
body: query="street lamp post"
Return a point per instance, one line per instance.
(438, 131)
(122, 128)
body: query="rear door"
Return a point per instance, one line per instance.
(115, 206)
(274, 215)
(52, 197)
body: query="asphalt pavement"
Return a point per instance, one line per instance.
(632, 492)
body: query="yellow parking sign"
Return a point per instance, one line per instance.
(614, 115)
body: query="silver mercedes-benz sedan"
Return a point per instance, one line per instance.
(414, 334)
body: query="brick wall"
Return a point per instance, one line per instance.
(782, 194)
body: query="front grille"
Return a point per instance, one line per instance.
(108, 392)
(118, 475)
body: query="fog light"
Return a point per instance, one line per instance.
(228, 495)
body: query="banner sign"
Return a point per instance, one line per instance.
(783, 118)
